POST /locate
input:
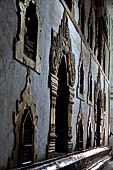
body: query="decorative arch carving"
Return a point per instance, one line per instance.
(24, 107)
(61, 46)
(61, 49)
(28, 35)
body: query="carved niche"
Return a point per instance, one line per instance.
(104, 102)
(80, 86)
(90, 86)
(79, 132)
(104, 57)
(98, 110)
(89, 131)
(82, 15)
(100, 40)
(90, 28)
(28, 35)
(97, 87)
(24, 118)
(61, 48)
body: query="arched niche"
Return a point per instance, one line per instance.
(62, 76)
(30, 37)
(26, 138)
(82, 15)
(27, 47)
(61, 118)
(89, 132)
(25, 121)
(81, 79)
(91, 28)
(98, 111)
(79, 132)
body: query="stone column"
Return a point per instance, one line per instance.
(52, 136)
(71, 95)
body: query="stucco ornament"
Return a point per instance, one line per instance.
(61, 49)
(27, 50)
(26, 102)
(61, 46)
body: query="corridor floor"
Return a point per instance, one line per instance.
(109, 166)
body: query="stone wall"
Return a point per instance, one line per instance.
(13, 76)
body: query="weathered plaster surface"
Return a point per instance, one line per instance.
(13, 77)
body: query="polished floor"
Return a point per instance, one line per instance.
(109, 166)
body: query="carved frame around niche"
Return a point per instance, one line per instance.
(79, 94)
(98, 93)
(26, 101)
(19, 49)
(97, 87)
(61, 47)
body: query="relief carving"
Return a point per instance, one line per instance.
(28, 36)
(26, 103)
(98, 110)
(61, 46)
(61, 56)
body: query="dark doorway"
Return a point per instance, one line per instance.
(26, 139)
(61, 143)
(79, 136)
(98, 122)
